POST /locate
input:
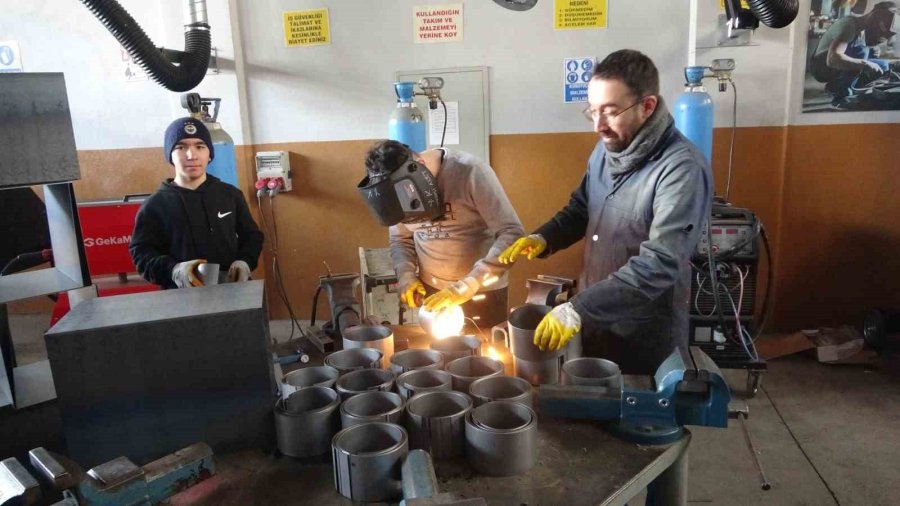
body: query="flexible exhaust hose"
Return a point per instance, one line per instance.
(775, 13)
(126, 30)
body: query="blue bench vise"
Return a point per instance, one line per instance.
(687, 389)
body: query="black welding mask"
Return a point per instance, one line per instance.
(409, 194)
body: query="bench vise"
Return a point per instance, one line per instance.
(687, 389)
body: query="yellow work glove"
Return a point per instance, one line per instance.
(187, 274)
(557, 327)
(531, 246)
(454, 295)
(411, 291)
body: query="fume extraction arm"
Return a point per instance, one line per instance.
(158, 63)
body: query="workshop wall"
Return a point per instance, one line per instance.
(827, 207)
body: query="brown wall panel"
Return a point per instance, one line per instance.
(827, 195)
(840, 227)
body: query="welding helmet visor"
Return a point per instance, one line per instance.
(408, 194)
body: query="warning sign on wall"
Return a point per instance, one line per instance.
(306, 28)
(438, 23)
(579, 14)
(744, 4)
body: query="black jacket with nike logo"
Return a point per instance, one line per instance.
(176, 224)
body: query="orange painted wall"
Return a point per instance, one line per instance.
(826, 194)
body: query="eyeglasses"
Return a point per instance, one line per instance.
(592, 115)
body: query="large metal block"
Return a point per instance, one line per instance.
(146, 374)
(36, 130)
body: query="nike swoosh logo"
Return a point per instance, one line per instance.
(222, 215)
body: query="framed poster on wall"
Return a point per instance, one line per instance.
(852, 56)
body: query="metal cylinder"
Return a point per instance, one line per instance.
(501, 388)
(367, 336)
(532, 364)
(321, 375)
(436, 422)
(409, 360)
(423, 380)
(501, 438)
(306, 421)
(364, 380)
(367, 460)
(354, 359)
(539, 373)
(372, 407)
(468, 369)
(455, 347)
(590, 371)
(419, 478)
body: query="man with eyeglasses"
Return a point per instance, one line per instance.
(640, 208)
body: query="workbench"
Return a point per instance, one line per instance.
(579, 462)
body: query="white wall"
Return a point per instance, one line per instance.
(344, 90)
(762, 70)
(108, 112)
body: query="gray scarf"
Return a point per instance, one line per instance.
(643, 144)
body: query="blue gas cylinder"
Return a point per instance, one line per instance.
(224, 163)
(693, 114)
(407, 123)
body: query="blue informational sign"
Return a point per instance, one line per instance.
(577, 75)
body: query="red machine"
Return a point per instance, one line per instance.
(106, 227)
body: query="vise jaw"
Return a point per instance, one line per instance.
(687, 389)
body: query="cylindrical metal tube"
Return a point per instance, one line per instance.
(501, 438)
(468, 369)
(366, 336)
(423, 380)
(419, 479)
(195, 12)
(455, 347)
(354, 359)
(539, 373)
(364, 380)
(523, 320)
(409, 360)
(372, 407)
(306, 421)
(321, 375)
(591, 371)
(367, 461)
(436, 422)
(501, 388)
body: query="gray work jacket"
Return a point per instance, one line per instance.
(640, 230)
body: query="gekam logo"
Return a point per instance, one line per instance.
(106, 241)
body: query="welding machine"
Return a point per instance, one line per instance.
(724, 290)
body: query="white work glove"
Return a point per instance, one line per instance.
(238, 272)
(187, 274)
(557, 327)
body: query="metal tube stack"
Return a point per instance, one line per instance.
(367, 461)
(436, 422)
(306, 421)
(501, 438)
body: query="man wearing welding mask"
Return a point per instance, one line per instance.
(193, 218)
(640, 208)
(449, 219)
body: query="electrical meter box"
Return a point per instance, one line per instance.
(274, 165)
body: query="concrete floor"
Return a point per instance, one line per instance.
(825, 434)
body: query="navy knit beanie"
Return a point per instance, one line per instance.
(186, 128)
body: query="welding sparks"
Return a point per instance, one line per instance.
(445, 323)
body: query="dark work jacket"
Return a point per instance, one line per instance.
(175, 224)
(639, 230)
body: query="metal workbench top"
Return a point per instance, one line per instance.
(579, 462)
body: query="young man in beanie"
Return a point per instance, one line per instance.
(193, 218)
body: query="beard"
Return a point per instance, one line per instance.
(613, 143)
